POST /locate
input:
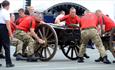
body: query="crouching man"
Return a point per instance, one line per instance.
(28, 25)
(107, 27)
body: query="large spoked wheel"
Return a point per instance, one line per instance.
(47, 50)
(70, 51)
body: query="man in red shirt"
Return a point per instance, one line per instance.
(88, 25)
(14, 41)
(106, 22)
(107, 27)
(72, 18)
(28, 26)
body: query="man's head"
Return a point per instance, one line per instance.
(98, 12)
(6, 4)
(72, 12)
(86, 12)
(21, 12)
(12, 17)
(31, 10)
(37, 16)
(62, 12)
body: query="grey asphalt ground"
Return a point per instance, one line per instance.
(60, 62)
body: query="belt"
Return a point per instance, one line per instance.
(2, 24)
(19, 30)
(88, 28)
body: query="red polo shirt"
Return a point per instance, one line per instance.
(70, 20)
(88, 20)
(37, 22)
(19, 20)
(27, 22)
(13, 26)
(109, 24)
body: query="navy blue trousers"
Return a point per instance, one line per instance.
(5, 42)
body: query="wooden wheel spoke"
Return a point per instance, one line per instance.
(43, 29)
(76, 51)
(41, 52)
(49, 35)
(68, 50)
(38, 47)
(72, 52)
(45, 53)
(40, 33)
(51, 41)
(47, 32)
(48, 51)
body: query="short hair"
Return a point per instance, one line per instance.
(72, 8)
(30, 7)
(5, 3)
(86, 11)
(36, 13)
(98, 10)
(62, 11)
(107, 15)
(27, 12)
(21, 9)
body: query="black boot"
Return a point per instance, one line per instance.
(80, 59)
(20, 57)
(32, 58)
(114, 61)
(99, 59)
(15, 54)
(10, 65)
(105, 60)
(0, 65)
(2, 56)
(86, 56)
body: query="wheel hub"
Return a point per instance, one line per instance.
(46, 42)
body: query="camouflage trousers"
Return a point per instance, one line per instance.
(91, 34)
(18, 43)
(28, 41)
